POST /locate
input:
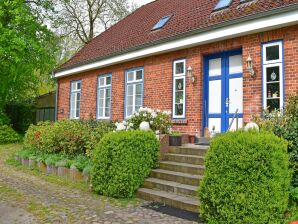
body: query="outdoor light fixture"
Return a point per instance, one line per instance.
(190, 74)
(250, 67)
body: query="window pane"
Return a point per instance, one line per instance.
(178, 109)
(222, 4)
(78, 85)
(215, 67)
(100, 102)
(78, 109)
(273, 90)
(129, 101)
(139, 75)
(100, 112)
(108, 92)
(107, 112)
(273, 104)
(179, 84)
(272, 53)
(78, 96)
(139, 89)
(180, 68)
(130, 90)
(179, 97)
(108, 80)
(130, 76)
(138, 108)
(235, 64)
(138, 100)
(108, 102)
(273, 74)
(101, 81)
(73, 86)
(129, 111)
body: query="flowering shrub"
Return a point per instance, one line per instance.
(69, 137)
(159, 121)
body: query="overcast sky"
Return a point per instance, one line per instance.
(142, 2)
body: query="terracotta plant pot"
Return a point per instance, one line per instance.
(42, 167)
(25, 162)
(32, 163)
(175, 140)
(63, 171)
(75, 175)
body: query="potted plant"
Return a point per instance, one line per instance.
(175, 139)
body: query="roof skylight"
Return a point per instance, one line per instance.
(161, 23)
(223, 4)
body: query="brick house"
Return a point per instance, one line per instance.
(203, 60)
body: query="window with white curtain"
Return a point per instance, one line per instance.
(104, 97)
(134, 90)
(75, 99)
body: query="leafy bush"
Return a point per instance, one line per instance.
(4, 120)
(246, 179)
(122, 160)
(69, 137)
(80, 162)
(8, 135)
(285, 124)
(159, 121)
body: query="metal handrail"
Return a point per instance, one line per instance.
(234, 117)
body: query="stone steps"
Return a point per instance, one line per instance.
(176, 180)
(183, 158)
(170, 186)
(182, 167)
(171, 199)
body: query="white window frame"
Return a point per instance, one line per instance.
(176, 77)
(75, 92)
(133, 83)
(104, 87)
(273, 63)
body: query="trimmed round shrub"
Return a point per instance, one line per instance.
(121, 162)
(8, 135)
(246, 179)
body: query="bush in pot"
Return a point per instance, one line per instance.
(246, 179)
(121, 162)
(175, 139)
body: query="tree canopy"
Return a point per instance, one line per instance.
(27, 51)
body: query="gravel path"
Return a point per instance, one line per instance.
(28, 197)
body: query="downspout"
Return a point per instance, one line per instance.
(56, 101)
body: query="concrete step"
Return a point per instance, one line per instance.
(182, 167)
(171, 199)
(171, 187)
(183, 158)
(190, 149)
(183, 178)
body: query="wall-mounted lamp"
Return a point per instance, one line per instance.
(190, 74)
(250, 66)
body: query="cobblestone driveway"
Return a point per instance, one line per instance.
(42, 199)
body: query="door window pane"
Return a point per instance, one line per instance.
(235, 64)
(215, 67)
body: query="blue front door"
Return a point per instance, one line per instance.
(223, 90)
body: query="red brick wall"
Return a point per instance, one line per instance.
(158, 78)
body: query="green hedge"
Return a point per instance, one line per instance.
(70, 137)
(8, 135)
(122, 161)
(246, 179)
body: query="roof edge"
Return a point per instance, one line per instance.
(278, 11)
